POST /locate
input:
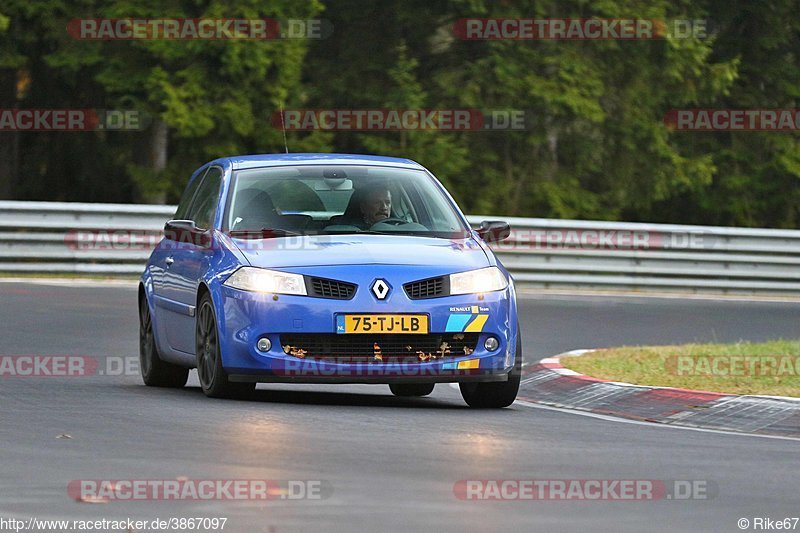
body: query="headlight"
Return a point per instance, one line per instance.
(263, 280)
(483, 280)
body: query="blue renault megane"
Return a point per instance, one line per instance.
(328, 268)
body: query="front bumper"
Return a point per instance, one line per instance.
(246, 317)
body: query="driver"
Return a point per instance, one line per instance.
(376, 205)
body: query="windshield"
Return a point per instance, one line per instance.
(317, 199)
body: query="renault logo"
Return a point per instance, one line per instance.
(380, 289)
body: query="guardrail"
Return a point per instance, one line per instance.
(114, 239)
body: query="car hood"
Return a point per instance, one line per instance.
(332, 250)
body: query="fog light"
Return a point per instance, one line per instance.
(264, 345)
(491, 344)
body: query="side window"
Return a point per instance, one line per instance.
(206, 200)
(186, 198)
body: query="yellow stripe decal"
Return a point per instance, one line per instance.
(477, 324)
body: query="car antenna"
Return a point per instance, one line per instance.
(283, 129)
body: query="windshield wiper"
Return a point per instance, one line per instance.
(263, 233)
(373, 232)
(357, 232)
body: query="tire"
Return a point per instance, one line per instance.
(155, 372)
(495, 395)
(213, 378)
(411, 389)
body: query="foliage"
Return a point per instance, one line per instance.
(595, 144)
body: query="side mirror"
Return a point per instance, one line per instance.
(186, 231)
(494, 230)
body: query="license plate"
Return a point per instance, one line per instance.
(382, 324)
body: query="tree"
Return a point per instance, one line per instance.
(204, 99)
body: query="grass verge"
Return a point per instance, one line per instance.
(770, 368)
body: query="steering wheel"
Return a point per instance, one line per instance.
(392, 221)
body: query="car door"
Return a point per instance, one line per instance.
(187, 265)
(163, 251)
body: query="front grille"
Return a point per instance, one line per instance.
(427, 288)
(329, 288)
(356, 348)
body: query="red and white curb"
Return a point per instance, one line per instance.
(548, 382)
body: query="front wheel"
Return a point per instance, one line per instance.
(495, 395)
(411, 389)
(213, 378)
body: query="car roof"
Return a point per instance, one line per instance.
(272, 160)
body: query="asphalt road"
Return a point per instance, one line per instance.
(392, 463)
